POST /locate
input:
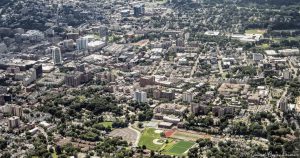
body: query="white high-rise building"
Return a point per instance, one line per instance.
(82, 43)
(140, 96)
(286, 74)
(30, 77)
(56, 54)
(187, 97)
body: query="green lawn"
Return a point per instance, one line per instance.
(179, 148)
(285, 38)
(147, 138)
(106, 124)
(169, 145)
(54, 155)
(265, 46)
(255, 31)
(293, 38)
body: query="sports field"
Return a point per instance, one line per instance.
(178, 148)
(147, 138)
(188, 136)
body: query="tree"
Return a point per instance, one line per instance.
(140, 125)
(58, 150)
(152, 153)
(193, 153)
(51, 150)
(3, 144)
(6, 155)
(144, 147)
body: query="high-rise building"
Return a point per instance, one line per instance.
(68, 44)
(72, 80)
(106, 77)
(139, 10)
(82, 43)
(17, 111)
(147, 80)
(103, 31)
(286, 74)
(30, 77)
(13, 122)
(282, 103)
(180, 42)
(165, 94)
(56, 55)
(140, 96)
(38, 70)
(187, 97)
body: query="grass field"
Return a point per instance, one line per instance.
(255, 31)
(147, 138)
(178, 148)
(297, 38)
(265, 46)
(54, 155)
(106, 124)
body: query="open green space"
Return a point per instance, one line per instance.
(185, 136)
(106, 124)
(255, 31)
(265, 46)
(179, 148)
(147, 138)
(296, 38)
(54, 155)
(168, 146)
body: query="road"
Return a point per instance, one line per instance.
(195, 66)
(295, 70)
(282, 96)
(220, 57)
(157, 67)
(220, 66)
(138, 136)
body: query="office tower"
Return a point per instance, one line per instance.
(56, 55)
(38, 70)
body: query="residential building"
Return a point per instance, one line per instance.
(164, 94)
(140, 96)
(257, 56)
(174, 109)
(197, 109)
(82, 43)
(187, 97)
(13, 122)
(139, 10)
(72, 80)
(147, 80)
